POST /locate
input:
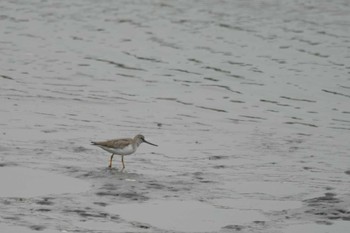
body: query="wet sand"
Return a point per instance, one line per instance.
(248, 102)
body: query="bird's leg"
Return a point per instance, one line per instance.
(110, 161)
(123, 161)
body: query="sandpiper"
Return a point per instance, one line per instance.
(122, 146)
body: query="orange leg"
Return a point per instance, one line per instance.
(123, 161)
(110, 161)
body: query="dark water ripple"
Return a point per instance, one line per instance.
(336, 93)
(118, 65)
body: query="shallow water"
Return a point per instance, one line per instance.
(248, 102)
(25, 183)
(184, 216)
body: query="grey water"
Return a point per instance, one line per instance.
(249, 102)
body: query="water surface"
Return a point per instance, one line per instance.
(248, 102)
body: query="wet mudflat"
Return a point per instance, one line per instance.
(249, 103)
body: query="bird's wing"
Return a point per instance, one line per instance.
(120, 143)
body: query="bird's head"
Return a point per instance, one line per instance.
(140, 138)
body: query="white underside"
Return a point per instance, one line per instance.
(123, 151)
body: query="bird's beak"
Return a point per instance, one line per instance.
(149, 143)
